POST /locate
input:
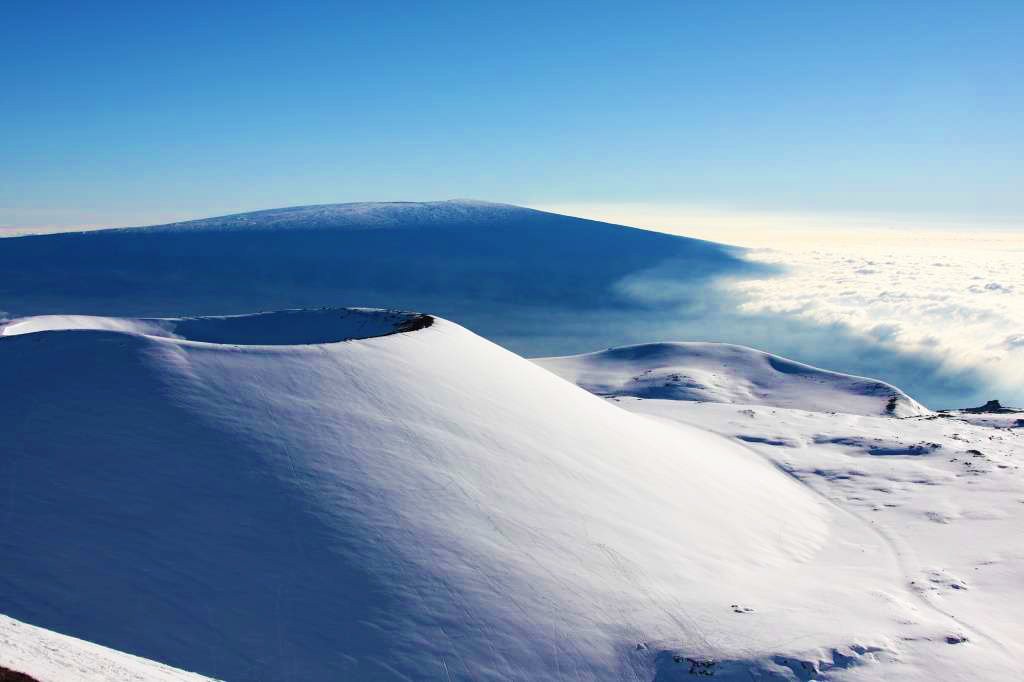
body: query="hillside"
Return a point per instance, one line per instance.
(725, 373)
(527, 279)
(941, 490)
(422, 504)
(46, 656)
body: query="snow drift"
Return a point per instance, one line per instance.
(725, 373)
(420, 505)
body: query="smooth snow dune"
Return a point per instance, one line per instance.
(423, 505)
(51, 657)
(726, 373)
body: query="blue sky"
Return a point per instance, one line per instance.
(127, 113)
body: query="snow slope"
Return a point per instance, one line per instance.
(725, 373)
(421, 505)
(51, 657)
(355, 216)
(942, 491)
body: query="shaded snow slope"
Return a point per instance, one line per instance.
(280, 328)
(359, 215)
(725, 373)
(510, 273)
(51, 657)
(423, 505)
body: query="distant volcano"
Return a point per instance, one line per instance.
(525, 278)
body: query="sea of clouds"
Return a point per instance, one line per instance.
(936, 308)
(956, 298)
(935, 305)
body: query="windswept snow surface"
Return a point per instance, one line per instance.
(51, 657)
(724, 373)
(942, 492)
(422, 505)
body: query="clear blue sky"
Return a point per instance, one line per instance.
(116, 113)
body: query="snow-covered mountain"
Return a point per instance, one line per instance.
(360, 215)
(538, 283)
(942, 491)
(227, 498)
(46, 656)
(724, 373)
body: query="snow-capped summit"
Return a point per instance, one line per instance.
(361, 215)
(423, 504)
(507, 272)
(726, 373)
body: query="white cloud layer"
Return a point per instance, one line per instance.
(956, 297)
(949, 290)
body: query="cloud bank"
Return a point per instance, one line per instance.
(932, 303)
(956, 298)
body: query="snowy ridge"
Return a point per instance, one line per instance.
(279, 328)
(726, 373)
(51, 657)
(364, 215)
(422, 505)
